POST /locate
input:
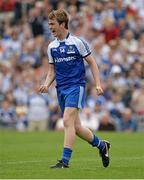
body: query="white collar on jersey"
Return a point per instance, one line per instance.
(65, 38)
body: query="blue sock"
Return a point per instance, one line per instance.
(96, 142)
(67, 152)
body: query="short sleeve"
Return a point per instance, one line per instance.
(84, 48)
(49, 55)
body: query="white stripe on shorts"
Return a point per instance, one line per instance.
(80, 97)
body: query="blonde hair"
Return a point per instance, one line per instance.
(60, 15)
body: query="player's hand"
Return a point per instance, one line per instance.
(99, 90)
(43, 89)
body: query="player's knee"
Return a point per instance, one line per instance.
(78, 128)
(67, 122)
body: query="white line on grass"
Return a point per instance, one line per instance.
(24, 162)
(44, 161)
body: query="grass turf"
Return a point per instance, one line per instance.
(29, 155)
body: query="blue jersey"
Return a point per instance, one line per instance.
(67, 57)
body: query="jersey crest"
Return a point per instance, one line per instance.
(62, 49)
(70, 50)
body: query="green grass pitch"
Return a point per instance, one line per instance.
(29, 155)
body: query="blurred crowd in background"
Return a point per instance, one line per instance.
(114, 30)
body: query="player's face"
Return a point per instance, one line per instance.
(54, 27)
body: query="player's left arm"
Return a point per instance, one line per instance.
(95, 71)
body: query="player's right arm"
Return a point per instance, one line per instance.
(51, 73)
(49, 79)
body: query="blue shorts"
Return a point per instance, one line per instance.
(71, 97)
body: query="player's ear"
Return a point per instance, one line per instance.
(62, 24)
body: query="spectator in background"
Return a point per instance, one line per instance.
(119, 11)
(55, 122)
(8, 117)
(36, 22)
(129, 43)
(20, 94)
(118, 77)
(7, 5)
(106, 123)
(22, 123)
(115, 106)
(37, 114)
(6, 80)
(123, 26)
(93, 99)
(110, 30)
(30, 54)
(128, 123)
(89, 119)
(138, 100)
